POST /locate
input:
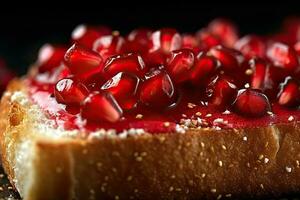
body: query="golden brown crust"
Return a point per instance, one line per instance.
(200, 164)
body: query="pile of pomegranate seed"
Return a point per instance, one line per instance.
(108, 75)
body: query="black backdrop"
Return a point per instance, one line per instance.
(23, 30)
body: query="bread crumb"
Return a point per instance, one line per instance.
(114, 170)
(266, 160)
(270, 113)
(291, 118)
(171, 188)
(219, 197)
(173, 176)
(178, 189)
(202, 144)
(224, 147)
(245, 138)
(136, 190)
(247, 85)
(166, 124)
(184, 115)
(129, 178)
(249, 72)
(203, 175)
(288, 169)
(226, 112)
(220, 163)
(117, 197)
(297, 163)
(139, 116)
(228, 195)
(139, 159)
(260, 157)
(1, 188)
(198, 114)
(191, 105)
(262, 186)
(208, 115)
(213, 190)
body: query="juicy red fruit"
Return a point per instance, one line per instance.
(87, 35)
(101, 106)
(229, 58)
(180, 64)
(251, 46)
(259, 68)
(123, 86)
(157, 90)
(69, 91)
(206, 39)
(109, 45)
(166, 40)
(221, 92)
(82, 61)
(50, 57)
(289, 94)
(251, 103)
(283, 56)
(225, 30)
(138, 40)
(204, 68)
(131, 62)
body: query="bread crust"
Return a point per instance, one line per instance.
(200, 164)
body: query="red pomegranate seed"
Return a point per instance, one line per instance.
(154, 59)
(221, 92)
(225, 30)
(189, 41)
(291, 27)
(258, 67)
(283, 56)
(206, 39)
(251, 103)
(297, 48)
(157, 90)
(82, 61)
(101, 106)
(87, 35)
(204, 68)
(229, 58)
(138, 40)
(180, 64)
(289, 94)
(50, 57)
(131, 62)
(69, 91)
(250, 46)
(109, 45)
(123, 86)
(166, 40)
(94, 81)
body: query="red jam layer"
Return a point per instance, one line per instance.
(188, 114)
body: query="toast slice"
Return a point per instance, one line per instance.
(43, 162)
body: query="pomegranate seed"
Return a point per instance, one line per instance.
(138, 41)
(221, 92)
(123, 87)
(250, 46)
(207, 39)
(259, 67)
(109, 45)
(166, 40)
(225, 30)
(180, 64)
(189, 41)
(292, 29)
(69, 91)
(131, 62)
(50, 57)
(283, 56)
(101, 106)
(87, 35)
(229, 58)
(297, 48)
(251, 103)
(154, 59)
(94, 81)
(82, 61)
(205, 66)
(157, 90)
(289, 94)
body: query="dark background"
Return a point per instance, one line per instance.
(24, 29)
